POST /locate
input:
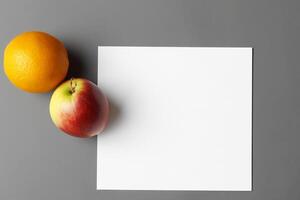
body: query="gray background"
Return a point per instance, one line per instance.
(39, 162)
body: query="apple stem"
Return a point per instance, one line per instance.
(73, 85)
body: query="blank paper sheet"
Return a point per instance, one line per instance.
(181, 118)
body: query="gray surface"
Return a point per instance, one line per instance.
(38, 162)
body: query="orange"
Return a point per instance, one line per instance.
(35, 62)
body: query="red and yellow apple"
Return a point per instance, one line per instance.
(79, 108)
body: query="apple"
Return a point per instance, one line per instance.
(79, 108)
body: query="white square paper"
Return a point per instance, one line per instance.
(181, 118)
